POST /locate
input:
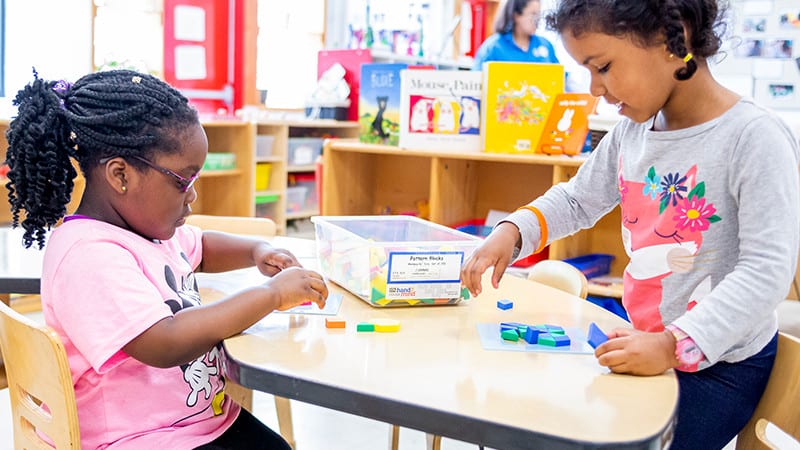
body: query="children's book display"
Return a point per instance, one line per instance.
(379, 103)
(440, 110)
(567, 124)
(517, 98)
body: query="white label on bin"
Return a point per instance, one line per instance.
(303, 155)
(424, 275)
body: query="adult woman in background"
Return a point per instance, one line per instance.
(514, 38)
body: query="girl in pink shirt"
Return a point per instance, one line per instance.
(118, 280)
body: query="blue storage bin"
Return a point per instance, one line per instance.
(609, 304)
(475, 230)
(592, 265)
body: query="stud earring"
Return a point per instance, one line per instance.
(124, 189)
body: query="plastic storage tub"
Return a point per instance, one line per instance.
(263, 171)
(220, 161)
(304, 150)
(393, 260)
(264, 145)
(296, 198)
(592, 265)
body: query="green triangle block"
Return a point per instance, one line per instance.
(509, 335)
(376, 295)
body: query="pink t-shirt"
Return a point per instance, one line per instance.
(101, 287)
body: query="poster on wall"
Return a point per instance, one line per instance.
(777, 94)
(765, 48)
(790, 20)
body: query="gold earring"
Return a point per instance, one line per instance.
(124, 189)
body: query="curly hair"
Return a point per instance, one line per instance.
(104, 114)
(649, 23)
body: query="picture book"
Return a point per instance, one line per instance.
(440, 110)
(567, 124)
(351, 60)
(517, 98)
(379, 103)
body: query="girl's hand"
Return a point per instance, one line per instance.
(294, 286)
(637, 353)
(271, 260)
(496, 251)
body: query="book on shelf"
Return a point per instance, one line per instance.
(379, 103)
(440, 110)
(567, 124)
(351, 60)
(517, 98)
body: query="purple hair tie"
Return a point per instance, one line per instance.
(61, 87)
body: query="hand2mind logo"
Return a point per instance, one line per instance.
(400, 292)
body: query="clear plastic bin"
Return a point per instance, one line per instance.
(304, 150)
(264, 145)
(296, 198)
(394, 260)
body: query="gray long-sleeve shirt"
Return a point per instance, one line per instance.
(710, 222)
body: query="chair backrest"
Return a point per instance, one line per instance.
(560, 275)
(39, 383)
(777, 404)
(256, 226)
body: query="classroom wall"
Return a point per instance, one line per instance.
(760, 57)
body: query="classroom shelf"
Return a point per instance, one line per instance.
(282, 131)
(366, 179)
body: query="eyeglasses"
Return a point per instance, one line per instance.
(184, 184)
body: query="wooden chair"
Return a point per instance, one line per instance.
(560, 275)
(39, 383)
(254, 226)
(777, 404)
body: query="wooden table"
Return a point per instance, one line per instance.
(435, 376)
(20, 268)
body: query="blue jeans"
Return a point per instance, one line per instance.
(714, 404)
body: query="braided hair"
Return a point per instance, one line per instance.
(649, 22)
(104, 114)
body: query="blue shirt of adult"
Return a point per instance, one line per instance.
(501, 47)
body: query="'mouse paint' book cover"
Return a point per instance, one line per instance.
(440, 110)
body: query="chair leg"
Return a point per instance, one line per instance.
(433, 442)
(284, 409)
(394, 438)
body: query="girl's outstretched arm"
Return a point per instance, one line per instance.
(224, 251)
(193, 331)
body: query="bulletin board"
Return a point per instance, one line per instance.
(760, 57)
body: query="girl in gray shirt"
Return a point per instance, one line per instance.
(707, 183)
